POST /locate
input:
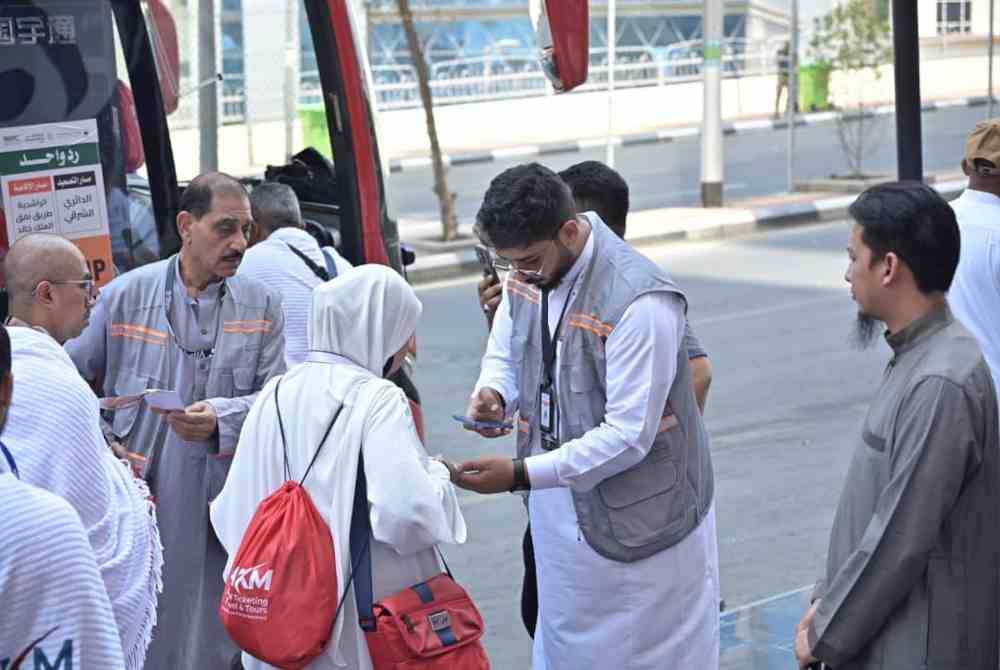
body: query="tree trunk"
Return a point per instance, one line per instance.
(446, 199)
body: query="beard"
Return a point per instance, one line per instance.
(866, 330)
(563, 265)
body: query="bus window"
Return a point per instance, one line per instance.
(269, 97)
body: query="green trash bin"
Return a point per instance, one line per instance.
(314, 129)
(814, 87)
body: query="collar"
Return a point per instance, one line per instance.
(920, 329)
(210, 292)
(980, 197)
(581, 261)
(290, 234)
(330, 358)
(15, 322)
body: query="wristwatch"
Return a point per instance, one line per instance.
(521, 481)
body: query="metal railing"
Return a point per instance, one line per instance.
(516, 75)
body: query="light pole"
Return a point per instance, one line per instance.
(906, 48)
(793, 92)
(291, 92)
(208, 99)
(989, 112)
(711, 127)
(612, 40)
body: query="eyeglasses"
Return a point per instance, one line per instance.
(89, 285)
(528, 276)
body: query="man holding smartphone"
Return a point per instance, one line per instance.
(586, 347)
(598, 188)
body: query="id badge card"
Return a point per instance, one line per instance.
(547, 418)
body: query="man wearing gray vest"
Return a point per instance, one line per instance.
(188, 324)
(611, 449)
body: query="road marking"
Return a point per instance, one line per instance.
(512, 152)
(411, 163)
(764, 311)
(769, 599)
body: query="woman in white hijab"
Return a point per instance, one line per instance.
(361, 322)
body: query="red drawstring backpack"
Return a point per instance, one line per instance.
(280, 599)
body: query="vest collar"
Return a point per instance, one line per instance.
(581, 261)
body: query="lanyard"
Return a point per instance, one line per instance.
(10, 460)
(168, 295)
(548, 345)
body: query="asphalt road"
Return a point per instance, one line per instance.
(786, 404)
(668, 174)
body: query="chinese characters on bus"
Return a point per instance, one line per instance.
(35, 30)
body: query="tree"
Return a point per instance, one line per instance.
(855, 39)
(446, 199)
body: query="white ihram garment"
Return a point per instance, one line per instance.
(53, 432)
(50, 587)
(660, 613)
(359, 320)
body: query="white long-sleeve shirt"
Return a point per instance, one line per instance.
(274, 264)
(641, 355)
(662, 611)
(975, 292)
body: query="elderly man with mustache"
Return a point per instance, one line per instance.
(189, 324)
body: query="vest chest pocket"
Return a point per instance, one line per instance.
(585, 403)
(129, 382)
(231, 383)
(642, 503)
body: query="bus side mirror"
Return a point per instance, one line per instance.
(166, 52)
(562, 32)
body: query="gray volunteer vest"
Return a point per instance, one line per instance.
(656, 503)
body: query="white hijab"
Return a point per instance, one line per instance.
(53, 432)
(366, 315)
(359, 320)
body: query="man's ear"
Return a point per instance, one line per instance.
(184, 223)
(966, 168)
(43, 293)
(893, 269)
(570, 231)
(256, 234)
(6, 390)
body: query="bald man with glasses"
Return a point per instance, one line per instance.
(49, 286)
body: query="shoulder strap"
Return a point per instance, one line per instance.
(361, 560)
(331, 262)
(284, 444)
(317, 270)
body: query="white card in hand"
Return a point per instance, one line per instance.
(164, 400)
(122, 401)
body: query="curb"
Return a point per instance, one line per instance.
(453, 264)
(664, 136)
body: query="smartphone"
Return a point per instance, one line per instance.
(486, 263)
(470, 423)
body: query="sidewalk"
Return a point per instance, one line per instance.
(438, 260)
(743, 124)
